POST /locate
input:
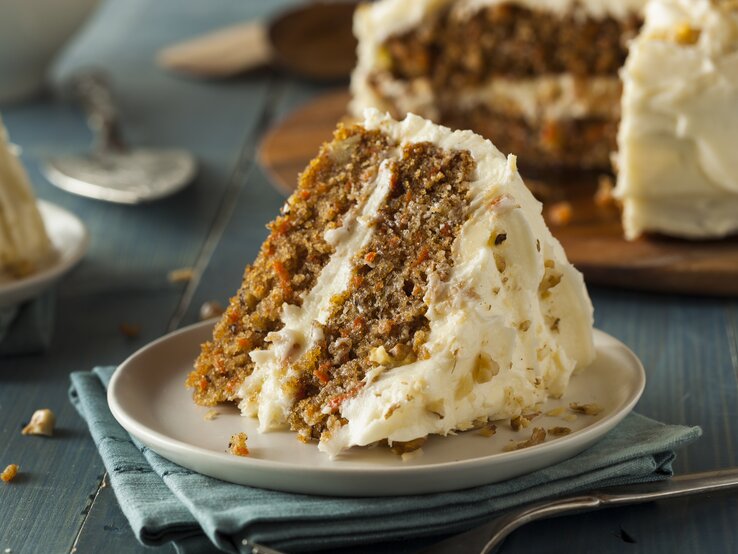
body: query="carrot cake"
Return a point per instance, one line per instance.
(24, 244)
(678, 168)
(538, 77)
(409, 287)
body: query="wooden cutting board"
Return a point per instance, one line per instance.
(593, 239)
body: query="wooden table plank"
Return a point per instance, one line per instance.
(124, 278)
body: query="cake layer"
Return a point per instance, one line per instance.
(550, 64)
(454, 49)
(24, 244)
(289, 262)
(677, 138)
(445, 302)
(581, 143)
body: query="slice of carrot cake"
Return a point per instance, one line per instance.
(678, 167)
(24, 244)
(410, 287)
(538, 77)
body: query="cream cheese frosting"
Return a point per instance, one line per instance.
(535, 99)
(677, 137)
(507, 329)
(24, 243)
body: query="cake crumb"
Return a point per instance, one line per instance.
(556, 412)
(237, 445)
(605, 197)
(181, 275)
(591, 409)
(129, 330)
(210, 415)
(561, 213)
(211, 309)
(42, 423)
(9, 473)
(488, 430)
(538, 436)
(559, 431)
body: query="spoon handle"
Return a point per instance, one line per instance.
(102, 115)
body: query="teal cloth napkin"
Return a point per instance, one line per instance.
(27, 328)
(165, 502)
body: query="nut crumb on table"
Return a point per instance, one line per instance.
(9, 473)
(129, 330)
(181, 275)
(42, 423)
(237, 445)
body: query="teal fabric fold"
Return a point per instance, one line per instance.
(165, 502)
(27, 328)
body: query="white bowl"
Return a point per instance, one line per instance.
(32, 32)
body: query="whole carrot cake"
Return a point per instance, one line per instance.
(538, 77)
(24, 244)
(409, 287)
(678, 168)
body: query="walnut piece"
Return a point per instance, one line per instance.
(586, 409)
(42, 423)
(488, 430)
(181, 275)
(538, 436)
(559, 431)
(9, 473)
(401, 448)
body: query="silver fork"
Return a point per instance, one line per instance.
(485, 538)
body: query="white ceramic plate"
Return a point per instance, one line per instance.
(148, 397)
(70, 239)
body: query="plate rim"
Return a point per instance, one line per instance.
(138, 430)
(32, 285)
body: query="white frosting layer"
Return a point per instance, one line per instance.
(677, 137)
(262, 392)
(23, 238)
(506, 330)
(535, 99)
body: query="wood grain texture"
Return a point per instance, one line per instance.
(593, 239)
(124, 277)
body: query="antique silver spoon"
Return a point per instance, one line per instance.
(112, 171)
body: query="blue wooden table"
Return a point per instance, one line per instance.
(61, 503)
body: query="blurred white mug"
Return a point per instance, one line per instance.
(32, 33)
